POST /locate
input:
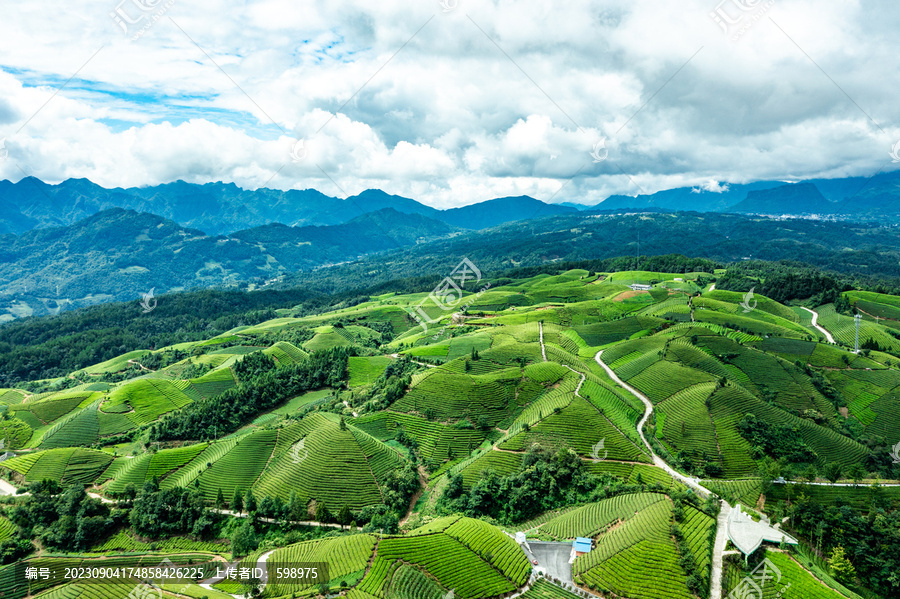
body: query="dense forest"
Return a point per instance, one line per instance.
(630, 237)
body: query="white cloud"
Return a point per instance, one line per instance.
(711, 186)
(448, 119)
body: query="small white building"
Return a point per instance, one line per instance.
(748, 534)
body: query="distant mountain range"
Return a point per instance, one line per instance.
(76, 244)
(863, 249)
(120, 254)
(802, 198)
(852, 198)
(220, 208)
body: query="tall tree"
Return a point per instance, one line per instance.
(237, 502)
(322, 513)
(249, 502)
(345, 517)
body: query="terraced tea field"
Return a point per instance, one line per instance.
(346, 557)
(590, 520)
(580, 426)
(794, 582)
(364, 371)
(137, 471)
(684, 422)
(240, 467)
(745, 491)
(542, 589)
(436, 441)
(636, 559)
(451, 396)
(844, 329)
(319, 461)
(456, 559)
(145, 400)
(63, 465)
(510, 387)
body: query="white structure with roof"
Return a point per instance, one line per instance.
(748, 534)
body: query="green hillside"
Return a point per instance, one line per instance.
(403, 458)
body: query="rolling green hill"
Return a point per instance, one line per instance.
(418, 450)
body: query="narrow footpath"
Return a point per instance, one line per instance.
(580, 383)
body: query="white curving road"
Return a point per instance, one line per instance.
(721, 532)
(693, 483)
(7, 488)
(815, 323)
(543, 350)
(715, 576)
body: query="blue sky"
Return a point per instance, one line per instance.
(481, 100)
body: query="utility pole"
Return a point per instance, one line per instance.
(637, 258)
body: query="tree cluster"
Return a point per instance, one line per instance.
(867, 538)
(262, 387)
(775, 440)
(544, 481)
(63, 518)
(53, 346)
(165, 512)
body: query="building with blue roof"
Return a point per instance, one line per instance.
(581, 545)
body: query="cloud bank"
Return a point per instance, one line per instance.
(449, 102)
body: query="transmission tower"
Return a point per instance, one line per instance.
(858, 317)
